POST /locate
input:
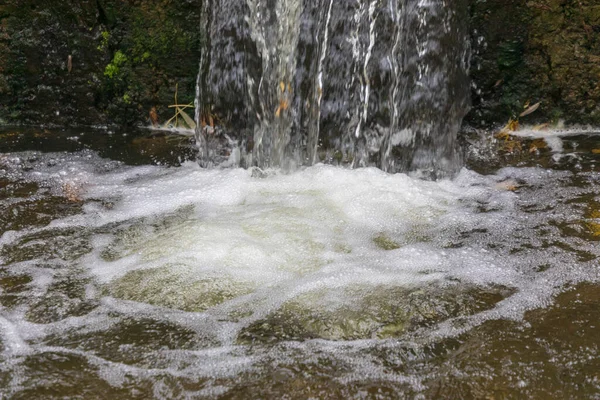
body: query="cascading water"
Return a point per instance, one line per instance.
(288, 82)
(173, 281)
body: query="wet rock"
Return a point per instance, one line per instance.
(535, 51)
(364, 313)
(175, 288)
(95, 62)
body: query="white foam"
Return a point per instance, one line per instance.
(13, 343)
(270, 230)
(531, 132)
(295, 232)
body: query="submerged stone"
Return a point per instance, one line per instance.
(129, 340)
(369, 312)
(175, 287)
(385, 243)
(65, 297)
(64, 244)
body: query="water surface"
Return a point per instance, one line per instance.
(133, 273)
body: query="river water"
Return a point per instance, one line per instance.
(129, 272)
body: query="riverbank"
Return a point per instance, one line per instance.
(114, 62)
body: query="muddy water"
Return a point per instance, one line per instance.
(127, 272)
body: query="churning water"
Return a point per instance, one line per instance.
(183, 282)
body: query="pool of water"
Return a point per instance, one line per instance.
(128, 272)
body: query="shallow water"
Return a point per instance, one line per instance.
(160, 279)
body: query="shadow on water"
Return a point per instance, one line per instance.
(131, 146)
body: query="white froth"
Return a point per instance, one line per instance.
(13, 343)
(532, 132)
(319, 222)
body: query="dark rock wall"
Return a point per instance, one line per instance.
(95, 62)
(37, 39)
(529, 51)
(127, 56)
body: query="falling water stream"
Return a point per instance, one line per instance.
(367, 83)
(130, 270)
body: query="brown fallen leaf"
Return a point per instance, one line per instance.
(596, 151)
(541, 127)
(153, 116)
(71, 191)
(509, 185)
(513, 125)
(512, 146)
(529, 110)
(283, 105)
(536, 145)
(593, 225)
(188, 120)
(207, 119)
(505, 132)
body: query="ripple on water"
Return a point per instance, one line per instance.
(169, 282)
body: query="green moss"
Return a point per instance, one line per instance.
(510, 54)
(161, 42)
(114, 68)
(105, 37)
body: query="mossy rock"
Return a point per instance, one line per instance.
(54, 56)
(364, 312)
(175, 287)
(530, 51)
(523, 51)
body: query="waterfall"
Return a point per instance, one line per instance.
(284, 83)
